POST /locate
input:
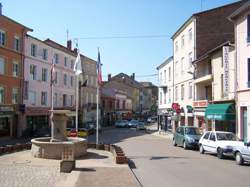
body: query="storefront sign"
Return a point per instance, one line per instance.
(6, 109)
(214, 117)
(226, 70)
(200, 103)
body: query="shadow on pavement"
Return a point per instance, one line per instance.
(131, 164)
(157, 157)
(91, 155)
(85, 169)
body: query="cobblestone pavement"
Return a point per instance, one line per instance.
(22, 174)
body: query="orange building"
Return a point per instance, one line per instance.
(11, 74)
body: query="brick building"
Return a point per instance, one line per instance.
(11, 74)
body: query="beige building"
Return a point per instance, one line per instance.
(241, 20)
(214, 105)
(88, 90)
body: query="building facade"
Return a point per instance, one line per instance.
(39, 56)
(241, 20)
(196, 37)
(11, 75)
(165, 92)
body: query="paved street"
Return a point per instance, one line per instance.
(158, 163)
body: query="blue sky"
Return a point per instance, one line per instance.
(101, 18)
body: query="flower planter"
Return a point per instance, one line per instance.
(121, 160)
(100, 147)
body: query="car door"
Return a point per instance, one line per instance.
(181, 138)
(212, 144)
(246, 152)
(205, 141)
(177, 136)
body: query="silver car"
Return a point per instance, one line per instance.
(121, 123)
(242, 153)
(140, 125)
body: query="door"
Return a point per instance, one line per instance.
(212, 143)
(246, 152)
(205, 141)
(245, 124)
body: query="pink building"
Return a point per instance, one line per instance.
(37, 82)
(241, 19)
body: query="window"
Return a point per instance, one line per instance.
(55, 102)
(182, 41)
(65, 79)
(17, 43)
(65, 61)
(248, 73)
(14, 96)
(176, 46)
(71, 81)
(44, 75)
(56, 77)
(190, 90)
(2, 38)
(176, 93)
(33, 72)
(56, 57)
(72, 64)
(206, 135)
(45, 54)
(190, 34)
(117, 104)
(32, 97)
(64, 100)
(44, 98)
(169, 96)
(71, 100)
(165, 97)
(15, 69)
(248, 28)
(123, 104)
(176, 68)
(1, 95)
(2, 66)
(182, 91)
(33, 50)
(190, 59)
(169, 73)
(160, 98)
(212, 137)
(182, 65)
(165, 76)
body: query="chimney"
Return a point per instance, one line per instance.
(1, 6)
(133, 76)
(109, 77)
(75, 50)
(69, 44)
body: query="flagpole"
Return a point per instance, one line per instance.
(77, 101)
(97, 115)
(52, 103)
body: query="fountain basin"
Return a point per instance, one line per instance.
(45, 148)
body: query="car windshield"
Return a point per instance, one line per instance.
(226, 136)
(192, 131)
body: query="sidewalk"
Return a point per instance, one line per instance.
(152, 129)
(95, 169)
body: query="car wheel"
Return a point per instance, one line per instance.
(238, 158)
(201, 149)
(185, 145)
(174, 143)
(219, 153)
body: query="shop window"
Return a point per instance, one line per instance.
(2, 66)
(15, 96)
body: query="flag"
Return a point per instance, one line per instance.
(52, 73)
(99, 69)
(78, 65)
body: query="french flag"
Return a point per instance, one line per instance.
(99, 69)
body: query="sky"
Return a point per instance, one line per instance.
(120, 28)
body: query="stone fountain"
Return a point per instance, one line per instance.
(54, 148)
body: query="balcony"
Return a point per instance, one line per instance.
(203, 79)
(163, 83)
(203, 73)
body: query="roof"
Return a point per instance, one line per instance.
(123, 75)
(207, 54)
(59, 46)
(181, 28)
(168, 60)
(147, 84)
(240, 10)
(9, 19)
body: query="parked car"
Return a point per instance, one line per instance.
(219, 142)
(186, 136)
(121, 123)
(152, 119)
(140, 125)
(242, 153)
(82, 132)
(133, 123)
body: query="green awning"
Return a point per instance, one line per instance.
(221, 112)
(189, 107)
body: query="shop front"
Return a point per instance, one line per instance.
(190, 115)
(7, 121)
(199, 115)
(221, 117)
(176, 116)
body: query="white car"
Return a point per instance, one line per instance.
(121, 123)
(219, 142)
(242, 153)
